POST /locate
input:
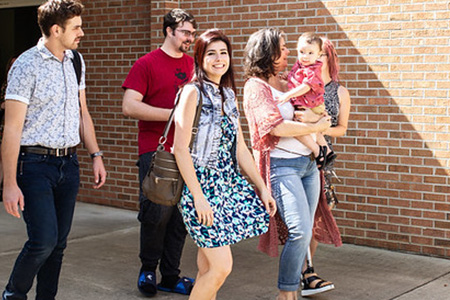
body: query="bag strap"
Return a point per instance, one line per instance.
(163, 138)
(76, 60)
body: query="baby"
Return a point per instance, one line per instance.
(306, 91)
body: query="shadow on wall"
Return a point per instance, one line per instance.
(394, 160)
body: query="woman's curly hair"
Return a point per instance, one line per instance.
(261, 53)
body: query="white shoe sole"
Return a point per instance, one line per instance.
(310, 292)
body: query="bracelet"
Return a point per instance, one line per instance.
(99, 153)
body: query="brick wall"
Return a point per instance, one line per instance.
(394, 162)
(117, 34)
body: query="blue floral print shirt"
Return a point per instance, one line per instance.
(50, 88)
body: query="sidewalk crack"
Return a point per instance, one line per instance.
(419, 286)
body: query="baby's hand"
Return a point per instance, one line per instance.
(284, 75)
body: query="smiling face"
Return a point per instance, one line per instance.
(216, 61)
(70, 36)
(308, 53)
(282, 61)
(182, 37)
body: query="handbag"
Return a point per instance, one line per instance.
(163, 183)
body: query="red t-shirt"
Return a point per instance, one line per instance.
(312, 76)
(158, 77)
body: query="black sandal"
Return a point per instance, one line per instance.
(331, 156)
(320, 285)
(321, 159)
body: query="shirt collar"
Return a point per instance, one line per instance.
(317, 64)
(46, 54)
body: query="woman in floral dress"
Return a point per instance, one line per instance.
(219, 207)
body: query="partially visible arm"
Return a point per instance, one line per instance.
(295, 92)
(292, 128)
(306, 115)
(344, 112)
(90, 142)
(248, 166)
(184, 117)
(14, 119)
(132, 106)
(311, 79)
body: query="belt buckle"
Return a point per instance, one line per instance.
(61, 152)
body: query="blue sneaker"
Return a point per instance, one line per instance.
(7, 294)
(183, 286)
(147, 283)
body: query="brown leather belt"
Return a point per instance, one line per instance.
(48, 151)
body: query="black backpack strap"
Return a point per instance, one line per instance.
(76, 60)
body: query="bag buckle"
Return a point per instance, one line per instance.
(162, 140)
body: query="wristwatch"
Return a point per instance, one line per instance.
(99, 153)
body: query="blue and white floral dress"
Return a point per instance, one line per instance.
(238, 212)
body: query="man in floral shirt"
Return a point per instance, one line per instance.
(42, 130)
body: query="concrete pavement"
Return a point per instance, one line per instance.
(101, 263)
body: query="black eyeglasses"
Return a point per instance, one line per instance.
(187, 33)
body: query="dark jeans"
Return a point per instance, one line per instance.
(50, 186)
(162, 231)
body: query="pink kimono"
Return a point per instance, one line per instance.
(263, 115)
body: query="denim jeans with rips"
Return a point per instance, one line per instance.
(295, 187)
(50, 186)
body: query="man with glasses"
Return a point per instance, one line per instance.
(150, 90)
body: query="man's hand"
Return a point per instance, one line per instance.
(12, 200)
(99, 172)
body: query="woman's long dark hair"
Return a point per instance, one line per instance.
(261, 52)
(207, 38)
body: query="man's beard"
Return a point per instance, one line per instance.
(184, 48)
